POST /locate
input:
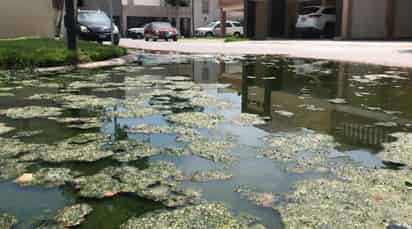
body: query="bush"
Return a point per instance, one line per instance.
(45, 52)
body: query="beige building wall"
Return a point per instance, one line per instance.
(27, 18)
(368, 19)
(403, 19)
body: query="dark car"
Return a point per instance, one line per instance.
(96, 26)
(160, 30)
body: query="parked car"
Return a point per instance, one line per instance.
(160, 30)
(316, 21)
(234, 28)
(95, 25)
(136, 33)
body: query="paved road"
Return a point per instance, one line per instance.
(382, 53)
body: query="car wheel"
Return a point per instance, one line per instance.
(329, 30)
(236, 34)
(146, 39)
(175, 39)
(154, 39)
(166, 39)
(209, 34)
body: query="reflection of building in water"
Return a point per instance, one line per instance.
(265, 95)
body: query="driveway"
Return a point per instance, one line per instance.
(397, 54)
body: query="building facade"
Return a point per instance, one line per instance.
(356, 19)
(22, 18)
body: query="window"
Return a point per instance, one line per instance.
(308, 10)
(205, 6)
(237, 24)
(331, 11)
(228, 25)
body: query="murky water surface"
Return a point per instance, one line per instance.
(357, 105)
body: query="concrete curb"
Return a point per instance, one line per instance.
(92, 65)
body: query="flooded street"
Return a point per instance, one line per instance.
(279, 142)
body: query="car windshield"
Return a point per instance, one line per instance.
(162, 25)
(98, 18)
(308, 10)
(211, 24)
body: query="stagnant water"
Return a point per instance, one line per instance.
(261, 85)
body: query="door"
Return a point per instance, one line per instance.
(277, 15)
(250, 19)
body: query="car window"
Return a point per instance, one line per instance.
(331, 11)
(217, 25)
(162, 25)
(227, 24)
(99, 18)
(309, 10)
(237, 24)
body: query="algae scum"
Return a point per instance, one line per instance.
(179, 141)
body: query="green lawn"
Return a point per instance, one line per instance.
(45, 52)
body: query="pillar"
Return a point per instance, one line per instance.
(346, 19)
(222, 22)
(390, 18)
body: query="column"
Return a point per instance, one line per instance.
(390, 18)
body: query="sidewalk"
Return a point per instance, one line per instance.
(398, 54)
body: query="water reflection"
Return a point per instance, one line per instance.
(303, 87)
(268, 86)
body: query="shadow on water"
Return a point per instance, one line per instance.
(264, 85)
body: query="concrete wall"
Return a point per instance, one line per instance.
(261, 27)
(368, 19)
(27, 18)
(103, 5)
(403, 19)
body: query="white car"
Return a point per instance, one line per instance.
(136, 33)
(316, 21)
(233, 28)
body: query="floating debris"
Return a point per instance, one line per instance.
(5, 129)
(28, 133)
(155, 182)
(149, 129)
(286, 146)
(213, 216)
(12, 168)
(73, 215)
(364, 198)
(212, 150)
(262, 199)
(201, 176)
(132, 150)
(6, 94)
(338, 101)
(133, 112)
(284, 113)
(399, 151)
(196, 119)
(184, 134)
(245, 119)
(80, 123)
(31, 112)
(82, 148)
(7, 221)
(49, 177)
(386, 124)
(311, 107)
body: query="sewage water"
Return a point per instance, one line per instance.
(290, 94)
